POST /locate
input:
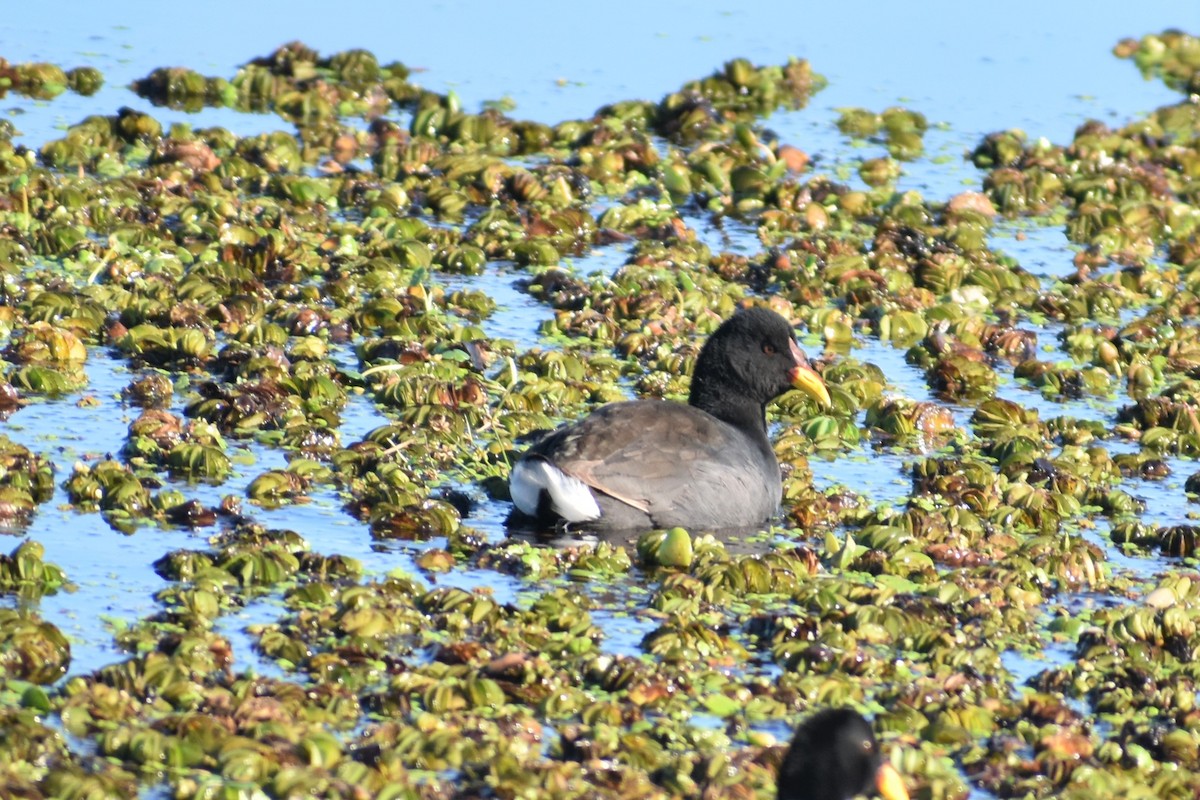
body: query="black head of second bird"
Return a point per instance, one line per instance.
(834, 756)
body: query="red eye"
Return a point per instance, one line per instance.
(768, 348)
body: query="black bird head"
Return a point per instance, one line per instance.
(834, 756)
(748, 362)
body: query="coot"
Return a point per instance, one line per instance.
(651, 464)
(834, 756)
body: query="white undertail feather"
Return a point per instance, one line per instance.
(570, 497)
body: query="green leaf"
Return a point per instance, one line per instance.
(35, 697)
(896, 583)
(721, 706)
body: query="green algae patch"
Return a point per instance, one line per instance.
(42, 81)
(25, 572)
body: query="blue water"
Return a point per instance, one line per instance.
(1040, 66)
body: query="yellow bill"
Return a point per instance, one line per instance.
(807, 380)
(889, 784)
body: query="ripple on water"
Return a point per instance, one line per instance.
(517, 313)
(1039, 248)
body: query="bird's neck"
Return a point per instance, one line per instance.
(746, 414)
